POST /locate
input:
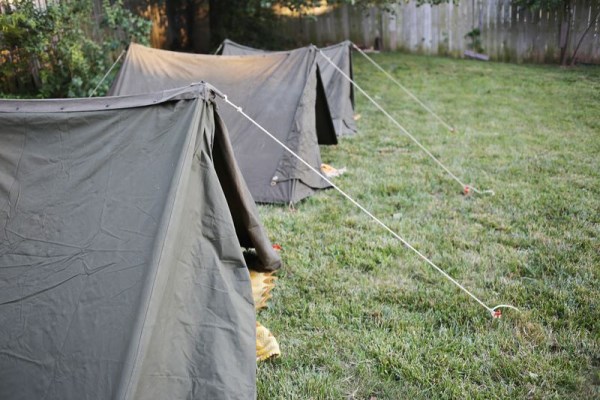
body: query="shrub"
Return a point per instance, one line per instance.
(65, 49)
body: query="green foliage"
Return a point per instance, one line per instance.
(65, 49)
(474, 36)
(385, 4)
(250, 22)
(296, 5)
(253, 22)
(541, 4)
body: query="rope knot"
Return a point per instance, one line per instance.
(497, 312)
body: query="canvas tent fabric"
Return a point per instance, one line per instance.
(121, 268)
(282, 92)
(339, 91)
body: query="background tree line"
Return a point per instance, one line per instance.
(51, 48)
(63, 49)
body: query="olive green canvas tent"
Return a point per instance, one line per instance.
(339, 90)
(282, 92)
(121, 267)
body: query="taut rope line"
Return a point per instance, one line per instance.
(408, 92)
(466, 188)
(494, 311)
(105, 75)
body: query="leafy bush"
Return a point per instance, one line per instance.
(65, 49)
(474, 36)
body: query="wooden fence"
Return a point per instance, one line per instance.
(508, 33)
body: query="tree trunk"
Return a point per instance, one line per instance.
(198, 26)
(565, 33)
(592, 22)
(216, 12)
(227, 19)
(173, 28)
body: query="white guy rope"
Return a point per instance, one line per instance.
(408, 92)
(466, 188)
(105, 75)
(218, 49)
(494, 311)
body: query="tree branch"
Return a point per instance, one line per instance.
(592, 22)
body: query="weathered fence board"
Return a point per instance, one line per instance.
(508, 33)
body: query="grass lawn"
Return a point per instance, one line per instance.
(359, 316)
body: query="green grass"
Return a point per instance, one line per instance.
(359, 316)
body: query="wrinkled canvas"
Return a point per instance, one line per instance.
(282, 92)
(121, 268)
(339, 91)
